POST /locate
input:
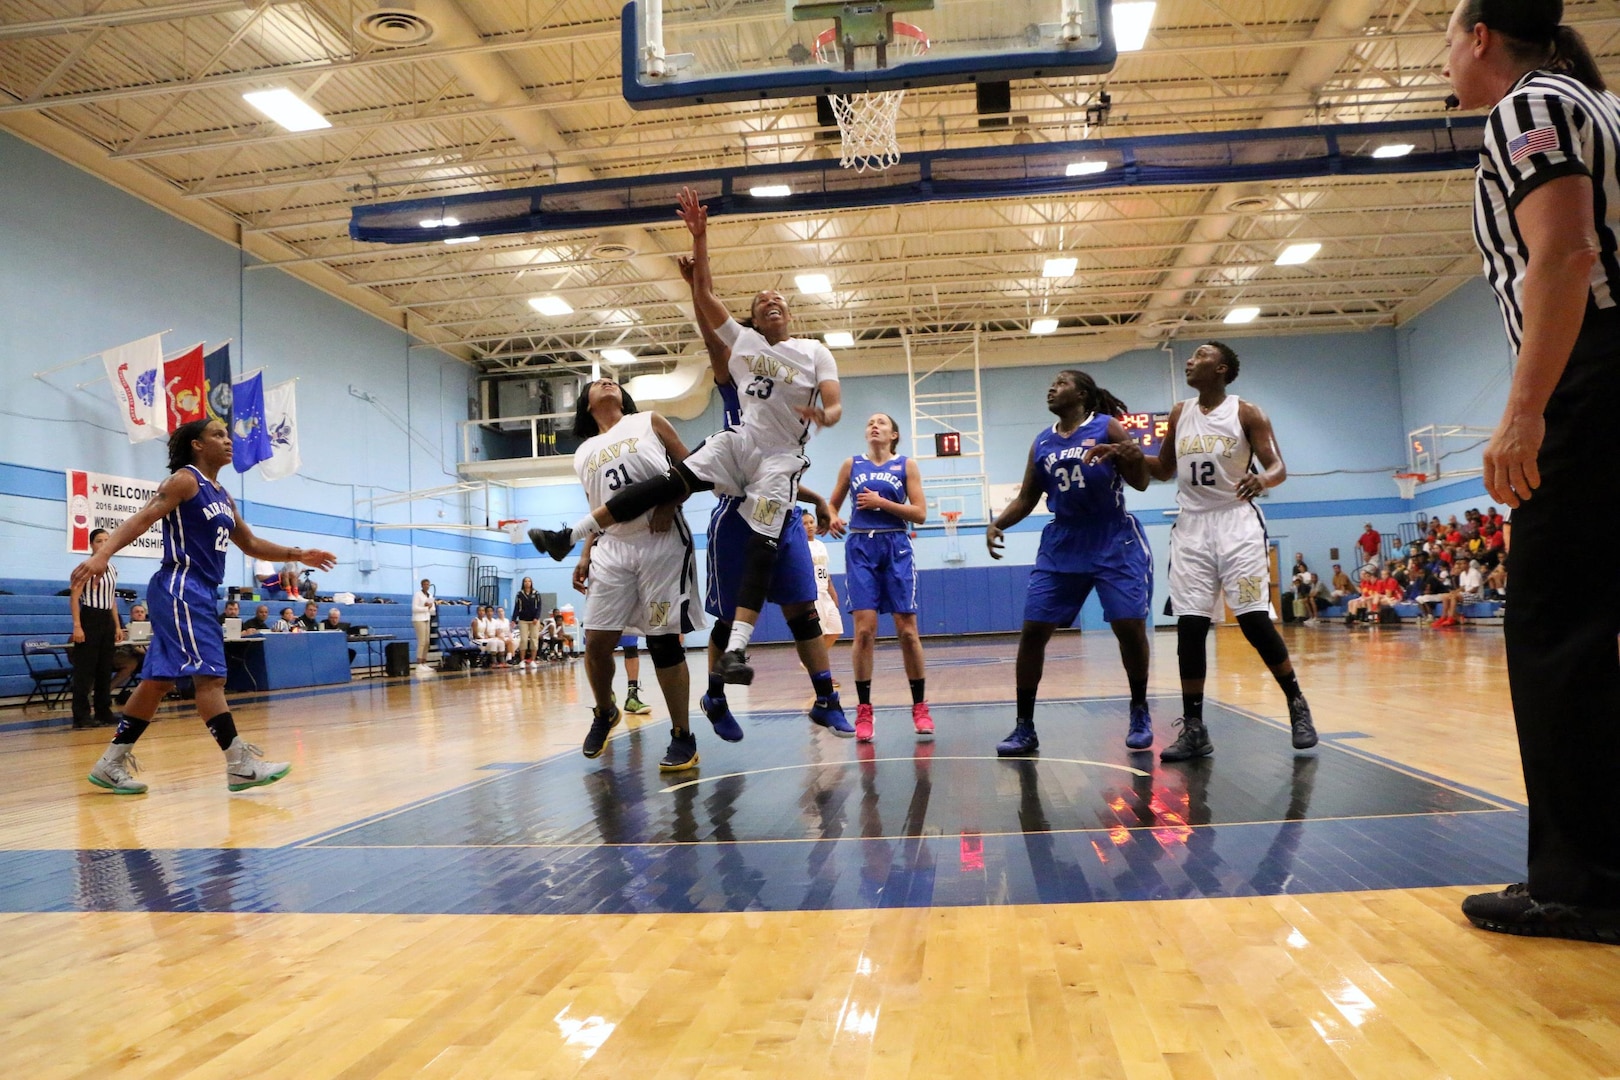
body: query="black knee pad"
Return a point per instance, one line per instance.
(806, 626)
(1191, 630)
(721, 636)
(758, 564)
(632, 653)
(1258, 628)
(666, 650)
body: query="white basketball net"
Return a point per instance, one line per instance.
(867, 123)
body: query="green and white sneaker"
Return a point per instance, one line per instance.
(114, 770)
(245, 767)
(633, 703)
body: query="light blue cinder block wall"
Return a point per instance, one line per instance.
(84, 267)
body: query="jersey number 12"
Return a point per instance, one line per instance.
(1203, 474)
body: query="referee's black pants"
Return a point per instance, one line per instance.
(93, 666)
(1562, 659)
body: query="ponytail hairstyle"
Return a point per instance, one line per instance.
(585, 426)
(1536, 35)
(1097, 399)
(180, 452)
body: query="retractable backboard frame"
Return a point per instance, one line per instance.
(677, 53)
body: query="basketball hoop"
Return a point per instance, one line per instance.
(867, 122)
(953, 547)
(1407, 482)
(513, 527)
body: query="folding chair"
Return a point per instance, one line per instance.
(48, 667)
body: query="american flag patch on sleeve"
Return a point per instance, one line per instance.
(1538, 141)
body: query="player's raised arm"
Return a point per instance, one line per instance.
(719, 354)
(1021, 506)
(711, 313)
(1257, 429)
(828, 523)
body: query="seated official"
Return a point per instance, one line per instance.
(233, 610)
(260, 623)
(128, 656)
(334, 621)
(311, 618)
(287, 624)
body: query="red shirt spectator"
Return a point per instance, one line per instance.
(1370, 541)
(1387, 586)
(1494, 541)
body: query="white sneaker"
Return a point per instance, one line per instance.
(113, 771)
(245, 767)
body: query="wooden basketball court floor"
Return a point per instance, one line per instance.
(444, 887)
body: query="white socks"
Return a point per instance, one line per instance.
(584, 527)
(741, 634)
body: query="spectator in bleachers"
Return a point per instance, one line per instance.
(1439, 590)
(127, 657)
(422, 606)
(1370, 543)
(1471, 582)
(565, 633)
(287, 624)
(1305, 589)
(1343, 588)
(96, 632)
(311, 618)
(1299, 562)
(260, 623)
(501, 627)
(1376, 594)
(289, 580)
(1496, 582)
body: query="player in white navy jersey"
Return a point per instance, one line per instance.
(200, 523)
(1218, 543)
(1091, 542)
(788, 385)
(640, 575)
(879, 574)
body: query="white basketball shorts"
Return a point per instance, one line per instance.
(644, 584)
(767, 480)
(1219, 550)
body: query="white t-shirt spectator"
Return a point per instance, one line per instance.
(1471, 581)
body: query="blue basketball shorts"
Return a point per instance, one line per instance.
(187, 639)
(793, 580)
(879, 573)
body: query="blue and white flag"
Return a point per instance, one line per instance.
(281, 422)
(136, 373)
(250, 440)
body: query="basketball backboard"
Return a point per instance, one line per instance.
(688, 52)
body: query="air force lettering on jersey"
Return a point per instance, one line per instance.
(887, 481)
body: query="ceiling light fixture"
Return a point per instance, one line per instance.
(1297, 254)
(287, 109)
(1043, 326)
(1391, 150)
(618, 356)
(1131, 24)
(813, 284)
(551, 305)
(770, 191)
(1059, 266)
(1239, 315)
(1085, 168)
(462, 239)
(839, 339)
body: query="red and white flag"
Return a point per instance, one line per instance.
(186, 387)
(136, 373)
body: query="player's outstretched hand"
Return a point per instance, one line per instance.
(320, 560)
(993, 540)
(684, 264)
(692, 211)
(1101, 452)
(91, 569)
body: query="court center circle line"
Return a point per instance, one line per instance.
(874, 761)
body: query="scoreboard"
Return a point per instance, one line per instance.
(1148, 429)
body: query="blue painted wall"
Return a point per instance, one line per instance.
(84, 267)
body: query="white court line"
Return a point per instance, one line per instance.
(874, 761)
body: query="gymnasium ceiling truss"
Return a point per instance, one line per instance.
(506, 94)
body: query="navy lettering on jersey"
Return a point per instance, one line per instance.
(887, 481)
(196, 535)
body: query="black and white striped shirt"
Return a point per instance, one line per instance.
(101, 592)
(1547, 126)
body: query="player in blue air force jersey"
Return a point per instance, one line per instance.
(200, 522)
(1091, 542)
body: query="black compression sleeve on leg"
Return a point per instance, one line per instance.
(805, 626)
(632, 653)
(643, 495)
(721, 637)
(1262, 634)
(1191, 632)
(758, 563)
(666, 650)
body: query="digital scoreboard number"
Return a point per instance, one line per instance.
(1148, 429)
(948, 444)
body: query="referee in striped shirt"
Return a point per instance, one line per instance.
(1546, 214)
(96, 632)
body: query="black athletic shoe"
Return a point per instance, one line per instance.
(1514, 911)
(733, 668)
(1299, 715)
(682, 753)
(600, 726)
(1193, 742)
(554, 542)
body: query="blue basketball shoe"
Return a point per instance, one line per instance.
(718, 710)
(1140, 736)
(829, 713)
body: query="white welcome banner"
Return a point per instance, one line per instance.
(95, 501)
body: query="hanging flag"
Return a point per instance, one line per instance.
(184, 386)
(281, 421)
(217, 377)
(250, 442)
(136, 373)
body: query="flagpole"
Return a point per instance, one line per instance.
(91, 356)
(166, 358)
